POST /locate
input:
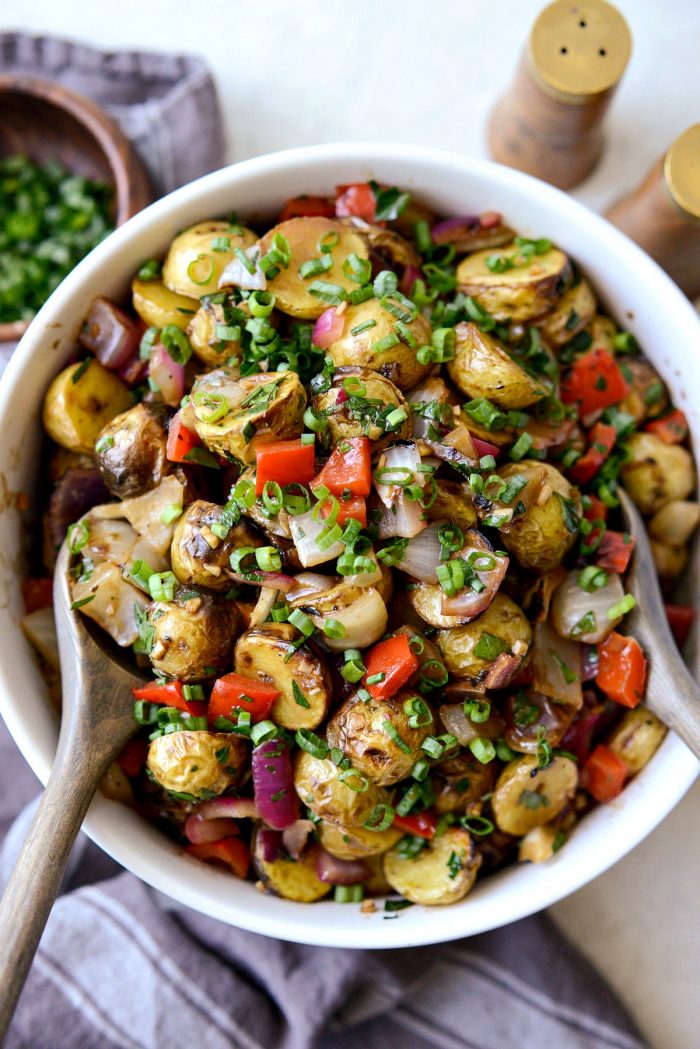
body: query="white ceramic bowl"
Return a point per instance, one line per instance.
(639, 295)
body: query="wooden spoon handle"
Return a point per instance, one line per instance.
(36, 878)
(681, 712)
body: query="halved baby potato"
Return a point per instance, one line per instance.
(355, 843)
(80, 401)
(443, 872)
(202, 333)
(267, 653)
(157, 305)
(348, 419)
(192, 635)
(637, 738)
(573, 311)
(197, 763)
(198, 256)
(482, 368)
(371, 339)
(502, 620)
(521, 292)
(200, 557)
(656, 473)
(318, 783)
(426, 599)
(307, 237)
(527, 796)
(131, 452)
(292, 879)
(542, 535)
(453, 502)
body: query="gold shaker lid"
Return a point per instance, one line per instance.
(579, 49)
(682, 171)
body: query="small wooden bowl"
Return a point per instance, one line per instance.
(46, 121)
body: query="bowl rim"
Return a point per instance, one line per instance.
(282, 919)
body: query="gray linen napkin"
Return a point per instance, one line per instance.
(122, 967)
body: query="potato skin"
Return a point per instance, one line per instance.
(573, 311)
(399, 362)
(503, 619)
(357, 729)
(135, 461)
(267, 653)
(637, 738)
(187, 762)
(78, 405)
(201, 331)
(192, 635)
(481, 368)
(292, 879)
(355, 843)
(317, 782)
(187, 249)
(461, 782)
(540, 538)
(428, 879)
(656, 472)
(344, 422)
(453, 502)
(158, 305)
(520, 293)
(198, 556)
(426, 600)
(641, 402)
(516, 810)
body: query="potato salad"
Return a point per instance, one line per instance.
(346, 484)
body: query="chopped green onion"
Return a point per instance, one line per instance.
(311, 743)
(354, 780)
(332, 294)
(490, 647)
(301, 621)
(263, 731)
(622, 607)
(268, 558)
(393, 733)
(140, 573)
(521, 447)
(334, 629)
(380, 819)
(592, 578)
(162, 586)
(477, 710)
(482, 749)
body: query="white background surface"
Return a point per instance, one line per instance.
(412, 71)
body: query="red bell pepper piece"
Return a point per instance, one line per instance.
(302, 207)
(578, 738)
(395, 660)
(622, 669)
(671, 428)
(680, 619)
(181, 441)
(231, 852)
(603, 774)
(615, 551)
(483, 448)
(356, 200)
(423, 824)
(228, 695)
(355, 507)
(349, 468)
(171, 694)
(286, 462)
(132, 757)
(597, 511)
(601, 442)
(594, 381)
(37, 593)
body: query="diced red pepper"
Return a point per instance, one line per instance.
(356, 200)
(615, 551)
(132, 757)
(181, 441)
(594, 381)
(349, 468)
(622, 669)
(680, 620)
(395, 660)
(578, 738)
(355, 507)
(37, 593)
(171, 694)
(302, 207)
(603, 774)
(597, 511)
(286, 462)
(231, 852)
(423, 824)
(228, 694)
(671, 428)
(601, 442)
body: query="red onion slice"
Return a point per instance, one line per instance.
(589, 662)
(409, 277)
(273, 784)
(274, 580)
(328, 328)
(109, 333)
(199, 829)
(333, 871)
(238, 274)
(442, 230)
(295, 837)
(270, 842)
(167, 375)
(231, 808)
(483, 448)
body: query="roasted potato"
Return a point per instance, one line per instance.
(305, 237)
(292, 879)
(647, 396)
(368, 326)
(201, 764)
(131, 451)
(656, 473)
(573, 311)
(502, 620)
(538, 844)
(268, 654)
(426, 599)
(317, 782)
(453, 502)
(387, 247)
(202, 331)
(675, 522)
(353, 417)
(198, 256)
(670, 560)
(360, 611)
(527, 796)
(377, 738)
(80, 401)
(258, 408)
(543, 535)
(637, 738)
(460, 784)
(192, 635)
(200, 557)
(443, 872)
(355, 843)
(158, 306)
(603, 331)
(482, 368)
(520, 292)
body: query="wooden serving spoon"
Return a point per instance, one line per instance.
(97, 720)
(671, 692)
